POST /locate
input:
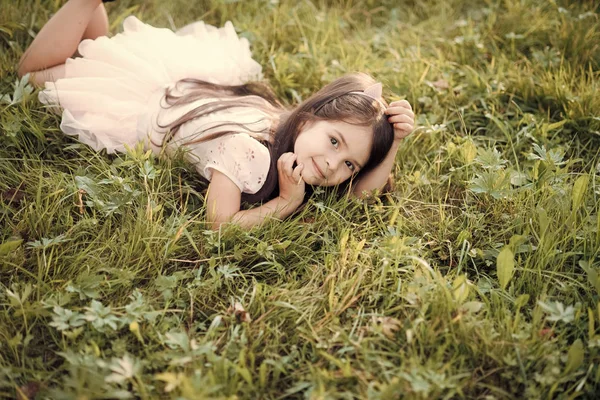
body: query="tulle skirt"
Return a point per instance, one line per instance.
(115, 85)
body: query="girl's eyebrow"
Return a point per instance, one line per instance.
(346, 145)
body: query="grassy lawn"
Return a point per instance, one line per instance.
(478, 276)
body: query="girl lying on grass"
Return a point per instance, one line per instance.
(193, 89)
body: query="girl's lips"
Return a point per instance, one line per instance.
(318, 169)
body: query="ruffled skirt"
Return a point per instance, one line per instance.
(114, 84)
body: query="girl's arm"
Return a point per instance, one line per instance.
(401, 116)
(378, 176)
(224, 198)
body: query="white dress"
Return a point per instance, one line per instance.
(111, 96)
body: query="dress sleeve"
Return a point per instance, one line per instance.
(241, 158)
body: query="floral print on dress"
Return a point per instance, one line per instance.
(221, 147)
(240, 157)
(237, 168)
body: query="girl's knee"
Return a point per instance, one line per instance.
(22, 68)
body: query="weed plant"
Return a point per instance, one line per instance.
(476, 277)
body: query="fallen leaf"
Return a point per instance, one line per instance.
(546, 332)
(28, 391)
(13, 195)
(238, 311)
(441, 84)
(389, 325)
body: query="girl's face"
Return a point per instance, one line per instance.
(332, 151)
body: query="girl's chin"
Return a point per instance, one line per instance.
(317, 182)
(312, 180)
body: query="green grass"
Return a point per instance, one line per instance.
(477, 277)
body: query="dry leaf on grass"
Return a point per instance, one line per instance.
(388, 325)
(441, 84)
(241, 315)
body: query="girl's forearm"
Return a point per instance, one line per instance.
(276, 208)
(377, 177)
(223, 205)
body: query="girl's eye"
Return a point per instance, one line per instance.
(334, 141)
(350, 165)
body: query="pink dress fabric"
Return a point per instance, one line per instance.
(111, 97)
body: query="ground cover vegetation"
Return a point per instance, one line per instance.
(476, 277)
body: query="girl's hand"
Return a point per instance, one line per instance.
(291, 184)
(401, 116)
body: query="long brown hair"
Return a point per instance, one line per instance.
(333, 102)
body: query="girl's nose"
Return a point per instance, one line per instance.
(333, 162)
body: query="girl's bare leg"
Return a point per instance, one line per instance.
(59, 38)
(98, 25)
(52, 74)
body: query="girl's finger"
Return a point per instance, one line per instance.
(401, 103)
(282, 163)
(285, 156)
(401, 118)
(297, 173)
(399, 111)
(288, 164)
(404, 127)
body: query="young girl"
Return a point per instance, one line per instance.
(193, 89)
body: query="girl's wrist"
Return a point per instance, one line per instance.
(287, 207)
(395, 146)
(290, 203)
